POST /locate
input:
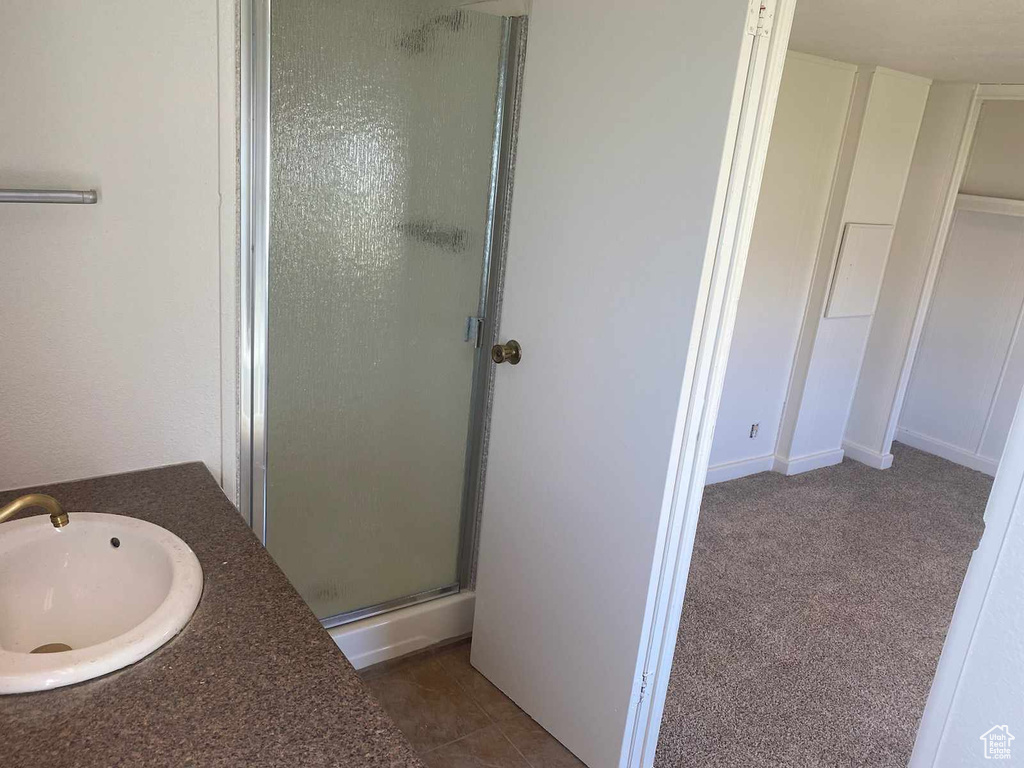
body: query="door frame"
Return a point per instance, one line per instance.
(253, 305)
(254, 230)
(755, 94)
(982, 93)
(510, 91)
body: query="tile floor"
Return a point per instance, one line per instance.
(455, 718)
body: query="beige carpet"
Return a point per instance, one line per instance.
(815, 613)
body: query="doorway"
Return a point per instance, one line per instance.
(828, 561)
(375, 195)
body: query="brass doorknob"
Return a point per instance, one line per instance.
(509, 352)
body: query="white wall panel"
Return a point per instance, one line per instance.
(913, 243)
(830, 377)
(969, 369)
(1004, 404)
(878, 149)
(967, 349)
(858, 275)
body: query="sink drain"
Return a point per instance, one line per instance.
(52, 648)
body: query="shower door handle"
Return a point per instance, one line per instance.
(510, 352)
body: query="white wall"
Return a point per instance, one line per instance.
(808, 128)
(913, 242)
(110, 326)
(969, 369)
(881, 133)
(996, 168)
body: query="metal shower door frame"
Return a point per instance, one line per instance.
(255, 43)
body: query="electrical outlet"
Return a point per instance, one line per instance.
(754, 428)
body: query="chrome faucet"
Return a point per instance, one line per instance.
(58, 517)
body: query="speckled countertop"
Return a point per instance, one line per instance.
(252, 680)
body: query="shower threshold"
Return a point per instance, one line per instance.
(406, 630)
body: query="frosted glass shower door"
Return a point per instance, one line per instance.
(381, 143)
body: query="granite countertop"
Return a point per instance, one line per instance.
(252, 679)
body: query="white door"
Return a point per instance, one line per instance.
(628, 110)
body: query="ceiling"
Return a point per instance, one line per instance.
(976, 41)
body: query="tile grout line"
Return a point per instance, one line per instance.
(468, 693)
(517, 750)
(491, 720)
(500, 733)
(494, 722)
(453, 741)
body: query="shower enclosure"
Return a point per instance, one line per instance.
(380, 139)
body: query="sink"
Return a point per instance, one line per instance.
(94, 596)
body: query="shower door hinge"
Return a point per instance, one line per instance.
(759, 18)
(475, 331)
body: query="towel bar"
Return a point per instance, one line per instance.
(80, 196)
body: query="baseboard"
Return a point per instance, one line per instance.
(732, 470)
(873, 459)
(947, 451)
(397, 633)
(806, 463)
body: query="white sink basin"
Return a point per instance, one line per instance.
(111, 588)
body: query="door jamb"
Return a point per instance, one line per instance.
(759, 77)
